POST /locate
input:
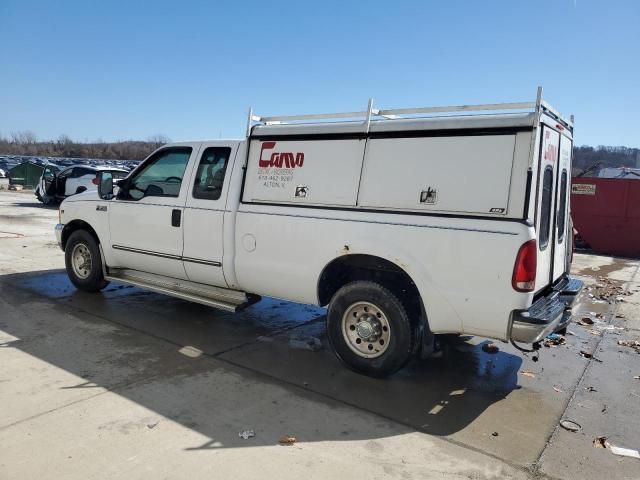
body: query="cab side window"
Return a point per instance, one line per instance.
(162, 175)
(79, 172)
(210, 175)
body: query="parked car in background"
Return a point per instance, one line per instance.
(55, 185)
(2, 173)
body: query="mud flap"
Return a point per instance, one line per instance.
(427, 343)
(426, 340)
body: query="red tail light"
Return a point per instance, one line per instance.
(95, 180)
(524, 271)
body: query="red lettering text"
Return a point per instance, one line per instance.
(278, 159)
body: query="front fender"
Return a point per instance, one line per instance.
(83, 213)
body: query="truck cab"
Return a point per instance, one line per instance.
(177, 200)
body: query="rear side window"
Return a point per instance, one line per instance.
(562, 212)
(210, 174)
(545, 207)
(65, 173)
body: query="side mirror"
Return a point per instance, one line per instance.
(105, 185)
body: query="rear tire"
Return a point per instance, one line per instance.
(84, 262)
(369, 329)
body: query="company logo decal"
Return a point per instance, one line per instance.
(279, 159)
(276, 168)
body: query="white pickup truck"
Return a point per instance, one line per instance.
(405, 225)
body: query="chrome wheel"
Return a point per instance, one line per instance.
(366, 329)
(81, 261)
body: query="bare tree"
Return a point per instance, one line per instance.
(64, 140)
(25, 143)
(158, 140)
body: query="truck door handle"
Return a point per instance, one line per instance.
(175, 218)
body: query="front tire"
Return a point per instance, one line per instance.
(369, 329)
(84, 262)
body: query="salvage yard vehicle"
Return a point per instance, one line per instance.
(55, 184)
(405, 226)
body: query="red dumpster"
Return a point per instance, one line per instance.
(606, 214)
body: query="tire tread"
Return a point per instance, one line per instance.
(389, 362)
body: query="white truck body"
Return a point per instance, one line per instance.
(443, 203)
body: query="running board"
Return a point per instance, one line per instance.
(222, 298)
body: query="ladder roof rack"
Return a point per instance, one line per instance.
(371, 113)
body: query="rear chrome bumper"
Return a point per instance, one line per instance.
(548, 313)
(58, 229)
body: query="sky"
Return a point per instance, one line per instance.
(118, 70)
